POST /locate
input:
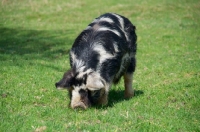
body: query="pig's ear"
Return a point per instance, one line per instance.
(94, 82)
(67, 80)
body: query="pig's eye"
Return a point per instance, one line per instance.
(95, 94)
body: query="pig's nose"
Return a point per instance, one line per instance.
(80, 105)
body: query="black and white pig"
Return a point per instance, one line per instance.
(102, 53)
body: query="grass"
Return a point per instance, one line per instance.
(35, 37)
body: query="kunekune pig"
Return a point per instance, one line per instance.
(102, 53)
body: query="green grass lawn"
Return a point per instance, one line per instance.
(35, 38)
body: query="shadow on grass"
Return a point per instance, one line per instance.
(116, 96)
(33, 44)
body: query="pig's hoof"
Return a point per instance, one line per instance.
(128, 95)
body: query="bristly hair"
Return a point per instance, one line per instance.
(105, 40)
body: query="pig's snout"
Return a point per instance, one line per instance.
(81, 101)
(79, 105)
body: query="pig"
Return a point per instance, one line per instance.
(103, 52)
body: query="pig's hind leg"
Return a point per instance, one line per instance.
(128, 79)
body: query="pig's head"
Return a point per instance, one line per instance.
(84, 88)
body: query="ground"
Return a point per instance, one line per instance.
(35, 38)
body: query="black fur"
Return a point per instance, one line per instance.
(88, 38)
